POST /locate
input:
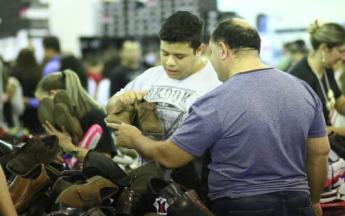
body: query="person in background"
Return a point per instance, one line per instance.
(27, 71)
(130, 66)
(98, 85)
(69, 61)
(328, 42)
(268, 149)
(51, 46)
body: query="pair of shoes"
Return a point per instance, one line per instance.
(142, 114)
(91, 194)
(25, 187)
(59, 112)
(34, 152)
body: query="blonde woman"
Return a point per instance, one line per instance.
(87, 111)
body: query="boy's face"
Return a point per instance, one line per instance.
(179, 59)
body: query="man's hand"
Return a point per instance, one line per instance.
(130, 97)
(65, 140)
(125, 134)
(318, 209)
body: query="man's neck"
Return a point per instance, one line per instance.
(246, 64)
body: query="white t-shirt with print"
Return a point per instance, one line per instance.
(173, 97)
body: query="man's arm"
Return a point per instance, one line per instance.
(164, 152)
(316, 166)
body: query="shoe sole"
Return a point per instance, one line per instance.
(46, 110)
(63, 98)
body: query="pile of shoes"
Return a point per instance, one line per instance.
(60, 113)
(39, 186)
(141, 114)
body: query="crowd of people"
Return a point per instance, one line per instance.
(256, 136)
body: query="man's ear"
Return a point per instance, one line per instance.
(200, 50)
(225, 50)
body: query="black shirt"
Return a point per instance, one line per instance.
(303, 71)
(106, 143)
(120, 76)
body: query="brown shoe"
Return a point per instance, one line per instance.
(121, 113)
(191, 194)
(92, 194)
(147, 119)
(130, 203)
(23, 189)
(64, 118)
(34, 152)
(62, 97)
(45, 111)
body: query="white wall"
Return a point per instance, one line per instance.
(287, 13)
(71, 19)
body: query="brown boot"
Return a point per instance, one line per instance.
(121, 113)
(147, 119)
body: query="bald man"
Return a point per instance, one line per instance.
(263, 128)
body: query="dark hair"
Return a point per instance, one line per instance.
(236, 36)
(182, 27)
(51, 42)
(332, 34)
(26, 68)
(72, 63)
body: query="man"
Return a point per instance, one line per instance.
(52, 50)
(183, 76)
(263, 128)
(129, 68)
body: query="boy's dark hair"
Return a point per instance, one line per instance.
(51, 42)
(237, 37)
(182, 27)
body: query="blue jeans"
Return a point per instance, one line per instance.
(285, 203)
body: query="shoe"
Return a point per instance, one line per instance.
(62, 97)
(52, 173)
(60, 209)
(4, 160)
(45, 111)
(122, 113)
(92, 194)
(141, 176)
(24, 188)
(63, 118)
(185, 206)
(34, 152)
(65, 182)
(191, 194)
(187, 177)
(147, 119)
(96, 163)
(102, 211)
(41, 204)
(130, 203)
